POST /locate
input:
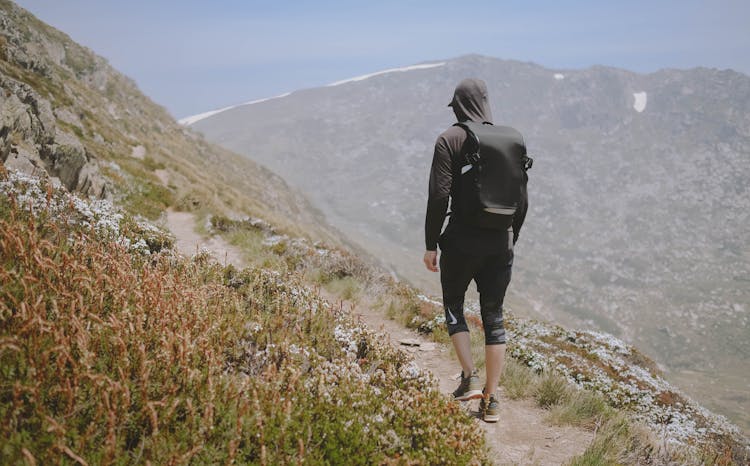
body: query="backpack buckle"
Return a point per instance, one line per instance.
(472, 159)
(527, 162)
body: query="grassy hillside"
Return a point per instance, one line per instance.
(114, 350)
(58, 94)
(114, 354)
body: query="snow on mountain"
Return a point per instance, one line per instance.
(640, 101)
(423, 66)
(189, 120)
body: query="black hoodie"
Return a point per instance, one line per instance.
(469, 103)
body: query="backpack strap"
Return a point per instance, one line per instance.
(470, 158)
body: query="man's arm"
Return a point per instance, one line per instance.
(523, 207)
(441, 177)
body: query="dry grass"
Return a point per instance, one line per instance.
(550, 390)
(517, 380)
(109, 357)
(581, 408)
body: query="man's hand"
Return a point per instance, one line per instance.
(430, 261)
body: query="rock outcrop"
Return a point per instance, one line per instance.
(31, 140)
(67, 114)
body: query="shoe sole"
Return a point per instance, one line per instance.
(491, 417)
(472, 395)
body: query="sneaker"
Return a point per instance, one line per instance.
(489, 408)
(469, 389)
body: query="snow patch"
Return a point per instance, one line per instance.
(423, 66)
(640, 101)
(559, 76)
(189, 120)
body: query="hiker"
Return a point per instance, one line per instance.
(478, 241)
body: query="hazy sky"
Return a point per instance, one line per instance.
(192, 56)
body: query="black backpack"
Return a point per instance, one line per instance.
(492, 174)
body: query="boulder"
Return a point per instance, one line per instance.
(92, 183)
(67, 157)
(15, 124)
(25, 161)
(68, 116)
(27, 112)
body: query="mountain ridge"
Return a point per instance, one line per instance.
(190, 119)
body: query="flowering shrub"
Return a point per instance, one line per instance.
(628, 380)
(98, 217)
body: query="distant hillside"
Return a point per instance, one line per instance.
(639, 197)
(66, 112)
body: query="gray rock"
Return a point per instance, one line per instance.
(25, 161)
(92, 183)
(67, 158)
(14, 122)
(44, 124)
(14, 117)
(18, 99)
(66, 115)
(31, 142)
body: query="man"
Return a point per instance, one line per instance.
(470, 251)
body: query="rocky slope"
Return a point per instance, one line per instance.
(639, 197)
(67, 114)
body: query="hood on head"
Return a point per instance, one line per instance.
(470, 102)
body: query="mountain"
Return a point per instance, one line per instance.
(67, 114)
(639, 197)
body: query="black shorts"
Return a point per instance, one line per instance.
(490, 272)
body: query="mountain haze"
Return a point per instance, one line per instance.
(638, 223)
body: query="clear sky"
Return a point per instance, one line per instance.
(197, 55)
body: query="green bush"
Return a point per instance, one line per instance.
(517, 379)
(148, 199)
(550, 390)
(611, 444)
(582, 408)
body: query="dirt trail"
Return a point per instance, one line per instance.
(188, 242)
(521, 437)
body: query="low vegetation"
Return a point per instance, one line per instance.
(115, 355)
(595, 381)
(340, 272)
(586, 379)
(623, 435)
